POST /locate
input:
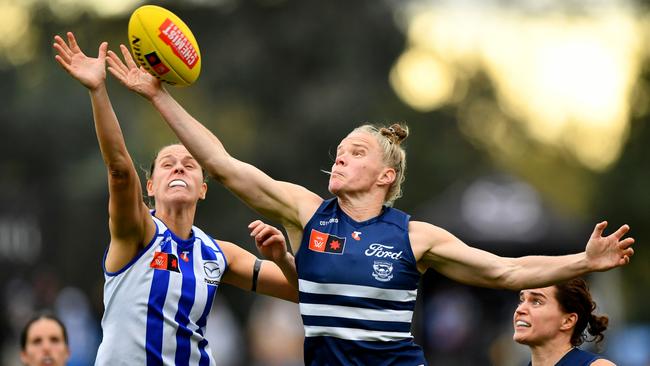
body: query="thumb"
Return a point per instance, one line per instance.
(103, 48)
(598, 230)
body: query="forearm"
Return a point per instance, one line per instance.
(108, 131)
(541, 271)
(201, 142)
(275, 281)
(288, 268)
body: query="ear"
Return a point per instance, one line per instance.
(569, 321)
(23, 357)
(204, 190)
(387, 177)
(149, 188)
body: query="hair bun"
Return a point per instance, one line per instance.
(395, 133)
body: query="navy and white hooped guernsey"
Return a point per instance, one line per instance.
(358, 285)
(577, 357)
(156, 307)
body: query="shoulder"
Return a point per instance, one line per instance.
(426, 237)
(423, 231)
(602, 362)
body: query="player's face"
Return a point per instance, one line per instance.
(358, 165)
(538, 318)
(45, 345)
(177, 177)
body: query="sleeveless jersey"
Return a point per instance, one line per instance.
(576, 357)
(358, 285)
(156, 307)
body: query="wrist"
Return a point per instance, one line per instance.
(158, 96)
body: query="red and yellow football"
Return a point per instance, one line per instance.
(164, 45)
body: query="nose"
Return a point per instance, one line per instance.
(179, 168)
(340, 160)
(521, 308)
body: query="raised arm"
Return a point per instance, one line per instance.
(290, 204)
(438, 249)
(129, 220)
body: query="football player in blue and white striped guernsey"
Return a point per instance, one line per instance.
(161, 271)
(358, 260)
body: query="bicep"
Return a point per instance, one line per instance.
(129, 216)
(453, 258)
(278, 200)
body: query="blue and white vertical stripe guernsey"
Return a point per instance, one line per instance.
(156, 307)
(358, 285)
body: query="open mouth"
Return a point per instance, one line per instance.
(521, 323)
(177, 183)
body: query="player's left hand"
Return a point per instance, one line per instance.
(605, 252)
(269, 240)
(131, 76)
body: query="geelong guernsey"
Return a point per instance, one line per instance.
(577, 357)
(156, 307)
(358, 285)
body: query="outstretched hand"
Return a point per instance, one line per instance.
(605, 252)
(91, 72)
(131, 76)
(269, 240)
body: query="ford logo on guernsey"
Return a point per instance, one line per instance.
(382, 251)
(211, 269)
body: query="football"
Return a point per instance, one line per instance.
(164, 45)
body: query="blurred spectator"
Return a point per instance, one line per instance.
(276, 333)
(44, 341)
(223, 333)
(73, 307)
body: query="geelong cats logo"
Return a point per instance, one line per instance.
(382, 271)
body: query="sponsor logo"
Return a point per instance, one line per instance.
(333, 220)
(165, 261)
(154, 61)
(326, 243)
(211, 269)
(184, 256)
(382, 271)
(211, 282)
(179, 43)
(356, 235)
(382, 251)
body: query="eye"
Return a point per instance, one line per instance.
(537, 302)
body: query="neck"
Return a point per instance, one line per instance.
(549, 354)
(360, 209)
(178, 221)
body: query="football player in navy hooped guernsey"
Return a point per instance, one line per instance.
(161, 271)
(554, 321)
(358, 260)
